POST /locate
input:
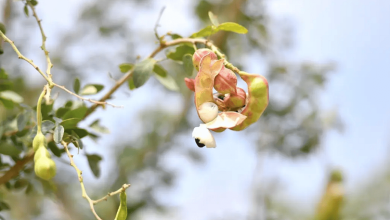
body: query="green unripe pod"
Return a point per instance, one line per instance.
(2, 28)
(45, 168)
(39, 140)
(41, 152)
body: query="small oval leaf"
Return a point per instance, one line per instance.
(11, 95)
(205, 32)
(58, 134)
(76, 85)
(213, 19)
(93, 161)
(233, 27)
(142, 71)
(188, 65)
(125, 67)
(91, 89)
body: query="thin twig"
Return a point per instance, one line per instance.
(43, 47)
(83, 191)
(157, 25)
(85, 99)
(20, 56)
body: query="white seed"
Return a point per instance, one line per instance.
(203, 137)
(208, 111)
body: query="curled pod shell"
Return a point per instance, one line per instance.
(257, 100)
(199, 54)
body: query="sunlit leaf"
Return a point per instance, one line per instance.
(70, 122)
(233, 27)
(125, 67)
(122, 210)
(213, 19)
(11, 95)
(179, 52)
(142, 71)
(91, 89)
(205, 32)
(130, 82)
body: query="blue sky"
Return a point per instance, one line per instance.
(352, 33)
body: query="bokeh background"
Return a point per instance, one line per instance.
(328, 68)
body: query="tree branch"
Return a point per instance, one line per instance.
(83, 192)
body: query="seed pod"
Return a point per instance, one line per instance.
(122, 210)
(257, 99)
(236, 101)
(45, 168)
(199, 54)
(204, 81)
(208, 111)
(39, 140)
(190, 83)
(226, 81)
(41, 152)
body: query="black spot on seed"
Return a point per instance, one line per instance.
(198, 143)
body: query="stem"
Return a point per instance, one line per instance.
(39, 113)
(20, 56)
(43, 47)
(83, 191)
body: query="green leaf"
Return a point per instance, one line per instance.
(70, 122)
(122, 210)
(56, 151)
(61, 111)
(9, 149)
(20, 184)
(76, 113)
(4, 206)
(126, 67)
(25, 9)
(233, 27)
(131, 83)
(188, 65)
(213, 19)
(78, 132)
(3, 74)
(22, 120)
(142, 71)
(165, 79)
(93, 161)
(76, 85)
(58, 134)
(180, 52)
(7, 103)
(97, 127)
(175, 36)
(47, 126)
(159, 70)
(11, 95)
(34, 2)
(205, 32)
(91, 89)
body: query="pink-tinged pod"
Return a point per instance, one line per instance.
(204, 81)
(199, 54)
(190, 83)
(225, 120)
(257, 100)
(226, 82)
